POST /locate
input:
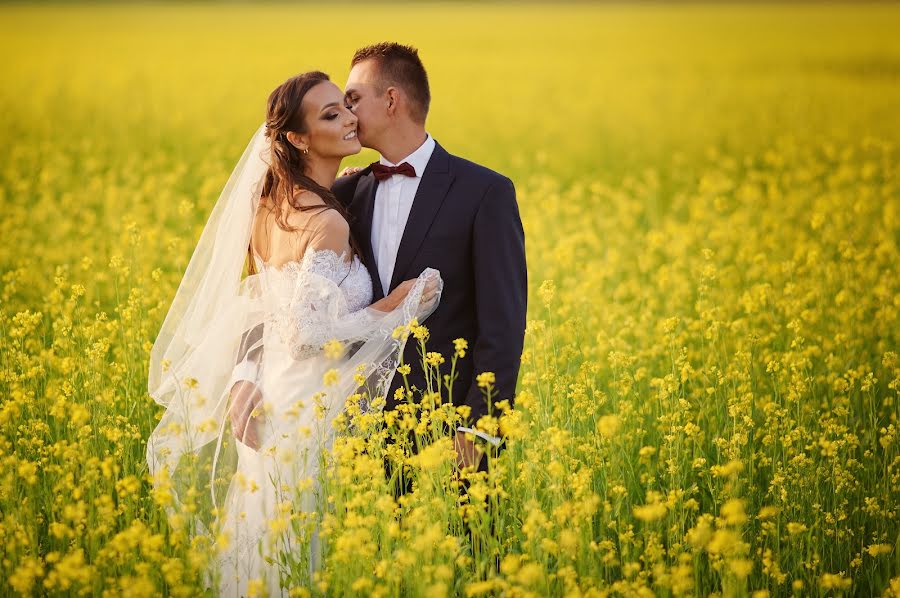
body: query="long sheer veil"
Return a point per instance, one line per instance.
(289, 317)
(213, 274)
(188, 372)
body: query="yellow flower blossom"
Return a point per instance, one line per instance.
(609, 425)
(333, 349)
(485, 379)
(330, 377)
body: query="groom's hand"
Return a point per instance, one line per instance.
(467, 454)
(246, 396)
(350, 170)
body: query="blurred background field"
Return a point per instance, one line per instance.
(711, 208)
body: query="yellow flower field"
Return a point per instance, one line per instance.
(708, 402)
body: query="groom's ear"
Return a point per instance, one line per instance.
(297, 140)
(393, 97)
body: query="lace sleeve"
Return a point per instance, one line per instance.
(319, 311)
(318, 317)
(316, 298)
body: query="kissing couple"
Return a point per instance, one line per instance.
(254, 369)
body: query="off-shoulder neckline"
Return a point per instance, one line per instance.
(310, 254)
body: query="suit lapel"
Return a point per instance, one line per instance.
(430, 195)
(363, 207)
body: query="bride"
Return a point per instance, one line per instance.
(236, 454)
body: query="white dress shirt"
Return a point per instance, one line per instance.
(393, 201)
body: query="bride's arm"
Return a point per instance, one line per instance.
(245, 393)
(249, 356)
(319, 308)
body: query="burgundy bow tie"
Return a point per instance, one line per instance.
(382, 171)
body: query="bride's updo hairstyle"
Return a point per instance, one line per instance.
(287, 171)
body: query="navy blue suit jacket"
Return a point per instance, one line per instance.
(465, 223)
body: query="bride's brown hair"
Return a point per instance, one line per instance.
(287, 171)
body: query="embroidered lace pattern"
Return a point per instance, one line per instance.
(309, 313)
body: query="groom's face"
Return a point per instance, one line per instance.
(367, 98)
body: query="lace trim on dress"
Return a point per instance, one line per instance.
(317, 312)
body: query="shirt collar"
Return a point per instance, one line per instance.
(419, 158)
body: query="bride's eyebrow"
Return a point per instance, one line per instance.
(327, 106)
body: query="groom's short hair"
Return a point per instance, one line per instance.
(400, 66)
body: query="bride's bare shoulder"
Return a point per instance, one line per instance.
(298, 213)
(330, 229)
(311, 221)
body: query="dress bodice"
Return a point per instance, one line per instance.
(351, 277)
(315, 299)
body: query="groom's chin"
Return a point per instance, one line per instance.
(361, 139)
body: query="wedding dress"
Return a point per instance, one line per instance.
(308, 303)
(315, 344)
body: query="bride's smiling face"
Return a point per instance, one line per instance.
(330, 126)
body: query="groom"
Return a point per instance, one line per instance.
(420, 207)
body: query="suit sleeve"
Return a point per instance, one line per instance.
(344, 187)
(501, 295)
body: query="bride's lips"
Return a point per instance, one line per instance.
(350, 136)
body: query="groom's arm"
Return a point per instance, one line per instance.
(501, 295)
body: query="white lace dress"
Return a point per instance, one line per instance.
(307, 303)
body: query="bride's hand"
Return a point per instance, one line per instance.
(395, 297)
(246, 397)
(429, 293)
(399, 294)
